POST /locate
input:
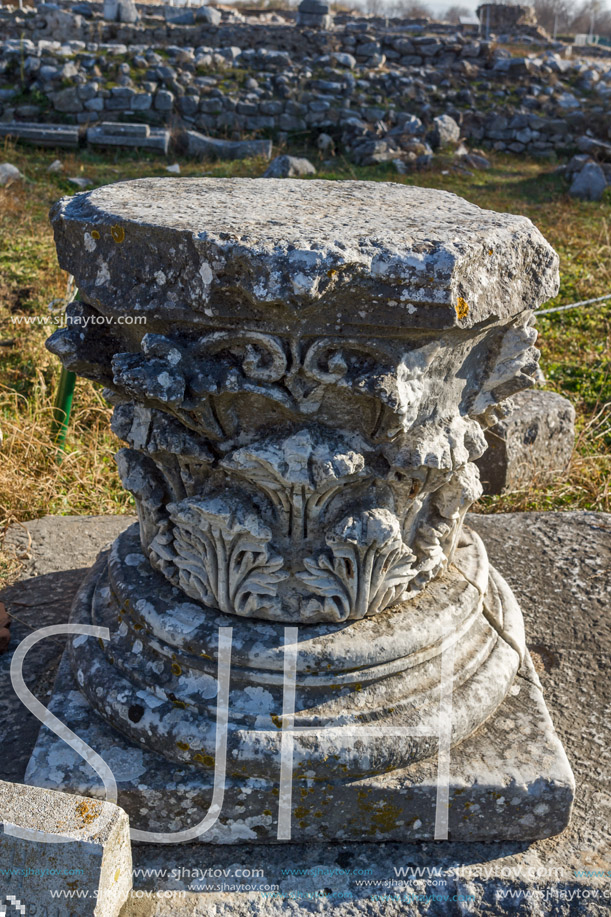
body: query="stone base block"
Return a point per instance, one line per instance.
(509, 781)
(65, 135)
(54, 844)
(533, 443)
(202, 146)
(154, 138)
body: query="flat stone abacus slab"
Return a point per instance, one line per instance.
(365, 253)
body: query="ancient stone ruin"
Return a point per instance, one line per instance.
(376, 86)
(305, 642)
(504, 17)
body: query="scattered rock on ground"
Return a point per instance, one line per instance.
(289, 167)
(445, 131)
(595, 147)
(81, 183)
(325, 143)
(589, 183)
(473, 160)
(9, 174)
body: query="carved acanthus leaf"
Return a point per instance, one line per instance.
(299, 474)
(223, 557)
(369, 567)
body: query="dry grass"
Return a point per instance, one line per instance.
(36, 478)
(576, 346)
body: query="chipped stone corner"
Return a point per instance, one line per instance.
(62, 846)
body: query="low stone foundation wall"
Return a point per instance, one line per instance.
(375, 90)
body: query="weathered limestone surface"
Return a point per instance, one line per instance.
(342, 674)
(554, 562)
(55, 553)
(497, 788)
(58, 842)
(531, 444)
(303, 406)
(383, 254)
(51, 544)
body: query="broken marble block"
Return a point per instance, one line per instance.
(120, 11)
(201, 146)
(303, 374)
(530, 445)
(62, 853)
(314, 14)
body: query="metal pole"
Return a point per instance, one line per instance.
(62, 408)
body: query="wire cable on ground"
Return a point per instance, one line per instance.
(573, 305)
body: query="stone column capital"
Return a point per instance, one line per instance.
(305, 388)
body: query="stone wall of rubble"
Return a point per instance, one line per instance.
(376, 91)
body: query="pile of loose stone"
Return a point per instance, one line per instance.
(380, 93)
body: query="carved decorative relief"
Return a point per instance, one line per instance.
(367, 568)
(309, 478)
(223, 557)
(304, 528)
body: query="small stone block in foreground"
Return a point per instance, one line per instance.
(57, 842)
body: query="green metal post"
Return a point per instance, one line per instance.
(62, 408)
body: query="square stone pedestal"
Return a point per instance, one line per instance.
(511, 780)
